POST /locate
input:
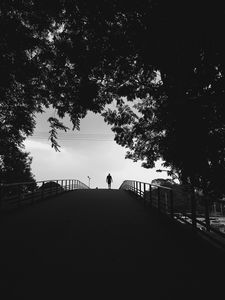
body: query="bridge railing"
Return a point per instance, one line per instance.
(153, 195)
(203, 215)
(19, 194)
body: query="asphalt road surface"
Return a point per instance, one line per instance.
(52, 243)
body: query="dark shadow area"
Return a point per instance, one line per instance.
(106, 231)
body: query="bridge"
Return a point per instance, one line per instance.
(52, 231)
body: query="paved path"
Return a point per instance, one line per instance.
(107, 231)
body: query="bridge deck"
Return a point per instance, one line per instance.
(103, 231)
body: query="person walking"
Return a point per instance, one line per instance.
(109, 180)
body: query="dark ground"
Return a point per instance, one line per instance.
(48, 246)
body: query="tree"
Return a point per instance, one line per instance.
(67, 54)
(15, 166)
(59, 53)
(163, 182)
(51, 185)
(81, 55)
(181, 118)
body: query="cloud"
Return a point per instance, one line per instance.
(31, 145)
(78, 159)
(49, 164)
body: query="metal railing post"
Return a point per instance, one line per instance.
(144, 195)
(1, 196)
(158, 196)
(181, 213)
(207, 219)
(42, 190)
(193, 209)
(171, 204)
(32, 192)
(166, 201)
(51, 187)
(23, 193)
(57, 188)
(19, 195)
(150, 195)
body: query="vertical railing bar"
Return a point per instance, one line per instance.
(144, 196)
(57, 188)
(139, 188)
(1, 196)
(171, 204)
(168, 206)
(51, 187)
(166, 201)
(193, 208)
(207, 219)
(32, 193)
(42, 190)
(19, 195)
(158, 194)
(150, 194)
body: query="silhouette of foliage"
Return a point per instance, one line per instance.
(163, 182)
(54, 125)
(181, 113)
(81, 55)
(15, 166)
(51, 185)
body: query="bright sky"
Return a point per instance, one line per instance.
(89, 152)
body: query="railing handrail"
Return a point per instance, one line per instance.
(186, 211)
(20, 193)
(39, 181)
(156, 185)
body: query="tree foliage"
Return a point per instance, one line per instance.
(15, 166)
(81, 55)
(180, 116)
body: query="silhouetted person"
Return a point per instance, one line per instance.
(109, 180)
